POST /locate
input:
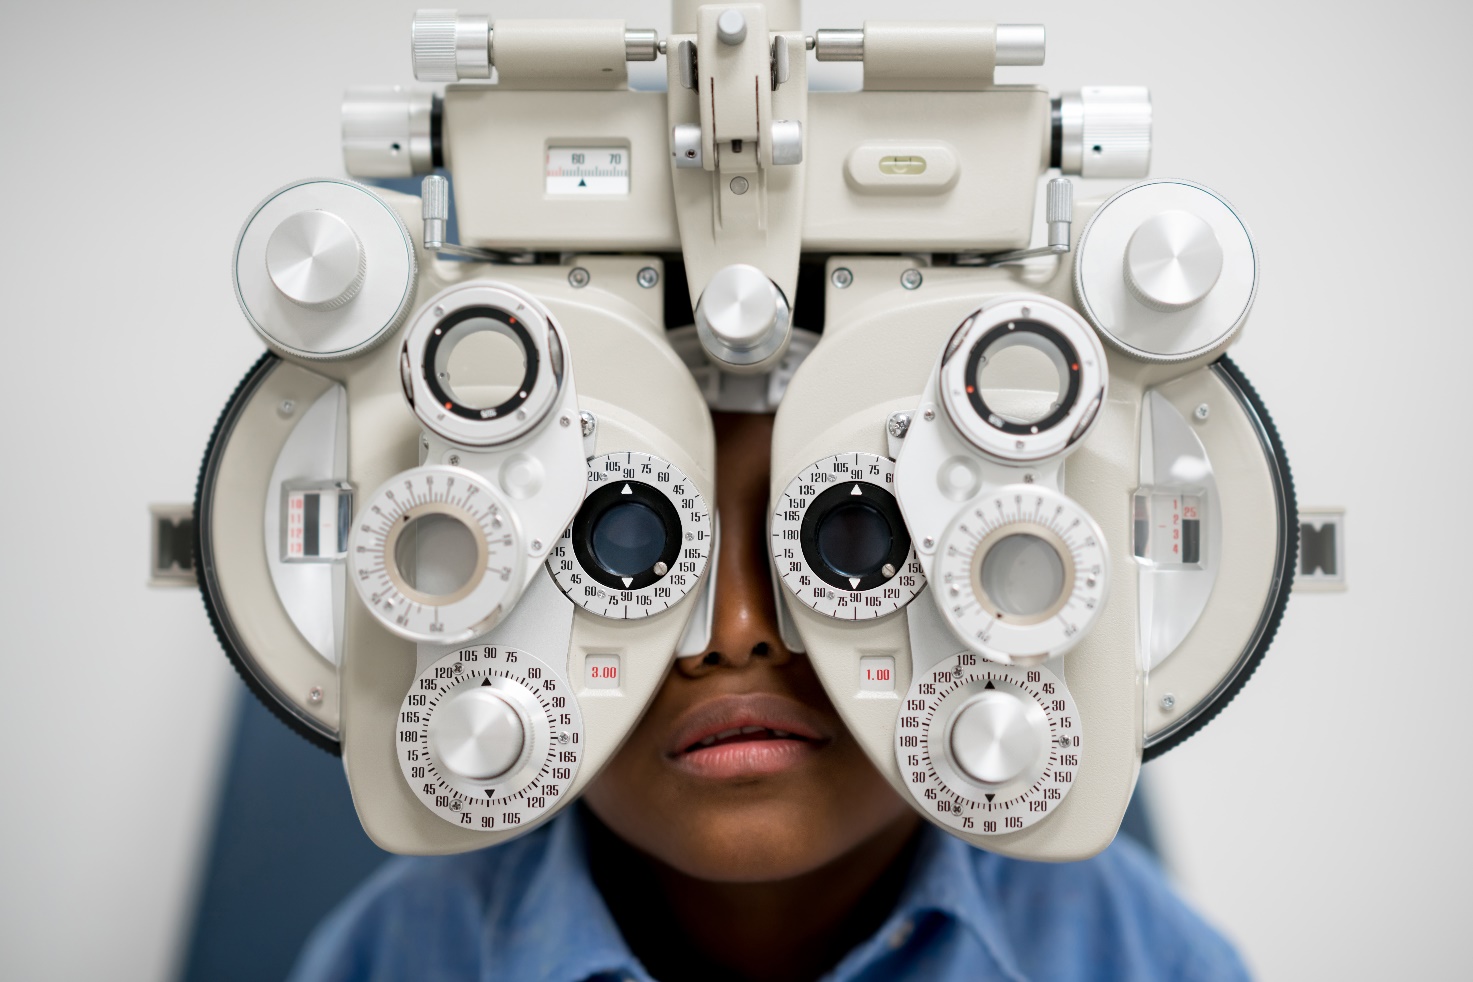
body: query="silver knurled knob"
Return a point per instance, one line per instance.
(315, 260)
(477, 735)
(996, 738)
(1105, 131)
(742, 317)
(1172, 261)
(434, 194)
(388, 131)
(447, 46)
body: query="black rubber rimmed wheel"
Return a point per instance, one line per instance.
(1286, 563)
(204, 563)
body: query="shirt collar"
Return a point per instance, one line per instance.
(946, 878)
(561, 929)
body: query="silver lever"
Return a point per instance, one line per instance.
(434, 193)
(1059, 212)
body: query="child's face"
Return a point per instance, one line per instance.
(750, 807)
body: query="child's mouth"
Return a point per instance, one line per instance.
(743, 734)
(752, 735)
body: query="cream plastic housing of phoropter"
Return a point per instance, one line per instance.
(1028, 522)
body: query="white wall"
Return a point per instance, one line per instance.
(1317, 821)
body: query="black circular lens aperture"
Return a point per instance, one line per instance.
(624, 531)
(851, 532)
(1067, 398)
(628, 538)
(514, 328)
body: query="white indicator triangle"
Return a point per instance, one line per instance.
(854, 583)
(627, 490)
(856, 490)
(628, 580)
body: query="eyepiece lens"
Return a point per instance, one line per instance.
(1022, 575)
(436, 554)
(854, 539)
(481, 363)
(628, 538)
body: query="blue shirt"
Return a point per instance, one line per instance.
(529, 909)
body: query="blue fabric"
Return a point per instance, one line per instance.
(529, 910)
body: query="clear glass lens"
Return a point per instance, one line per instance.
(481, 365)
(436, 554)
(854, 539)
(1023, 575)
(628, 538)
(1021, 378)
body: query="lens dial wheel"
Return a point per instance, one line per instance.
(1022, 574)
(489, 738)
(988, 749)
(839, 541)
(639, 543)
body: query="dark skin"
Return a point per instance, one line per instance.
(753, 876)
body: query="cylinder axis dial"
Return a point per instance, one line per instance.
(436, 555)
(840, 542)
(639, 542)
(1022, 574)
(988, 749)
(490, 738)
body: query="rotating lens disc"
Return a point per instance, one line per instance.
(483, 364)
(1024, 431)
(840, 542)
(436, 555)
(490, 738)
(1022, 574)
(640, 541)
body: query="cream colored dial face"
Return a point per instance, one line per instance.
(999, 771)
(839, 542)
(436, 554)
(531, 777)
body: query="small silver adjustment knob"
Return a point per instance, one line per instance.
(1172, 261)
(315, 260)
(477, 735)
(996, 737)
(742, 318)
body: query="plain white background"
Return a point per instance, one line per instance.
(1321, 821)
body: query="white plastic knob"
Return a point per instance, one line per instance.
(995, 738)
(731, 27)
(1172, 261)
(477, 735)
(315, 260)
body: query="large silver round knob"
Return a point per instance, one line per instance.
(1172, 261)
(477, 735)
(315, 260)
(742, 318)
(996, 736)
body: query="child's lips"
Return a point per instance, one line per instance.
(745, 736)
(749, 758)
